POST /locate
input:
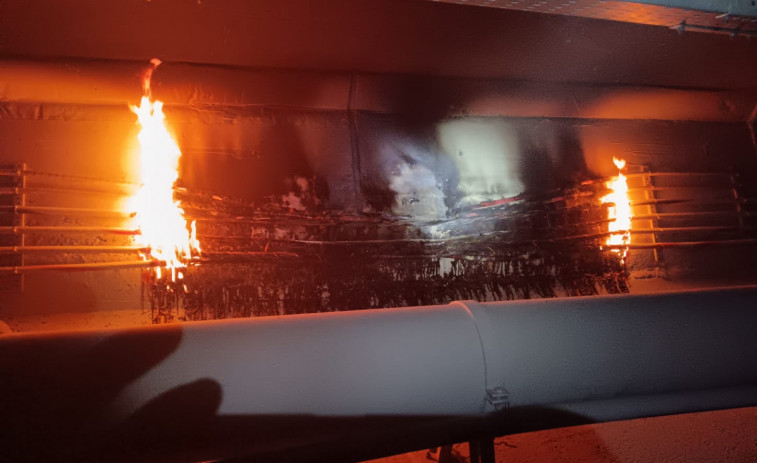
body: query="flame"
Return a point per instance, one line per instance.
(619, 212)
(159, 218)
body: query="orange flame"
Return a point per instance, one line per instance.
(619, 212)
(159, 218)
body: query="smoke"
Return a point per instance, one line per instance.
(486, 155)
(301, 196)
(417, 193)
(466, 161)
(415, 175)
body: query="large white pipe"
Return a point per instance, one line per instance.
(602, 357)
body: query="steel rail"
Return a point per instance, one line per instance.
(72, 249)
(80, 267)
(15, 230)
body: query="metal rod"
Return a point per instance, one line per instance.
(207, 257)
(24, 171)
(672, 188)
(683, 200)
(88, 266)
(71, 249)
(682, 229)
(11, 190)
(55, 229)
(649, 194)
(64, 210)
(210, 256)
(12, 172)
(680, 174)
(645, 231)
(22, 222)
(501, 232)
(599, 181)
(671, 215)
(681, 244)
(663, 215)
(642, 231)
(67, 189)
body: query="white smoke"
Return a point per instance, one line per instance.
(417, 192)
(486, 154)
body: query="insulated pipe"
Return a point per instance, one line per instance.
(83, 83)
(207, 389)
(449, 360)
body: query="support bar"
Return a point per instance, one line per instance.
(56, 229)
(80, 267)
(72, 249)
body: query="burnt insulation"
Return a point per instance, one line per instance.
(263, 261)
(307, 285)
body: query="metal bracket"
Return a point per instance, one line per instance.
(499, 398)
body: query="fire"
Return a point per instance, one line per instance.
(158, 216)
(619, 212)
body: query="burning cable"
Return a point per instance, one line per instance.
(619, 211)
(160, 218)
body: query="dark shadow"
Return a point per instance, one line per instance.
(279, 155)
(282, 158)
(408, 136)
(55, 391)
(168, 428)
(551, 158)
(422, 102)
(570, 168)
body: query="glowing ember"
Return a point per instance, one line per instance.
(159, 218)
(619, 212)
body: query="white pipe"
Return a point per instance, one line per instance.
(560, 351)
(412, 361)
(603, 357)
